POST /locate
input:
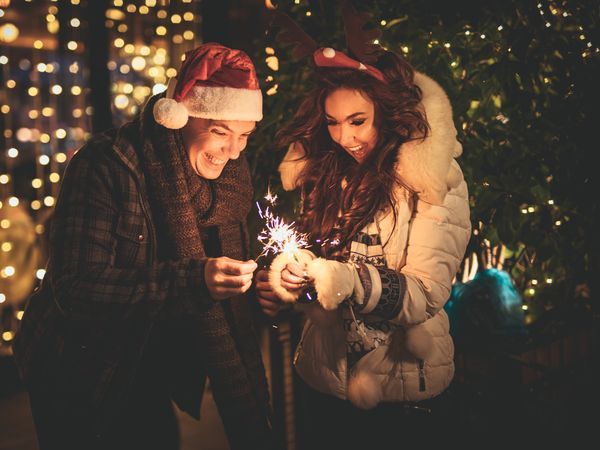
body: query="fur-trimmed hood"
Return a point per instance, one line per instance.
(427, 166)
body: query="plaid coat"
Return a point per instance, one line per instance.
(84, 329)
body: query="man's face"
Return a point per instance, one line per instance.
(211, 143)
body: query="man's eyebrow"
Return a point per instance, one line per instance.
(222, 125)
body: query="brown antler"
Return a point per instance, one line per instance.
(359, 40)
(291, 33)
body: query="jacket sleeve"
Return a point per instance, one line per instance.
(437, 240)
(84, 279)
(436, 243)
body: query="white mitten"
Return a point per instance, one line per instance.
(334, 281)
(302, 257)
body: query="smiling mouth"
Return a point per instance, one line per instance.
(355, 149)
(214, 160)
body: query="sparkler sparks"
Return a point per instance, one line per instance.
(278, 236)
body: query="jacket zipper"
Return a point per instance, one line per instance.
(422, 384)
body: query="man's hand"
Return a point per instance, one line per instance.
(226, 277)
(269, 303)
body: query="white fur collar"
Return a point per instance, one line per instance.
(427, 166)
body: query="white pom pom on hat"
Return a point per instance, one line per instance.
(214, 82)
(170, 114)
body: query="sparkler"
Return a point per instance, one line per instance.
(278, 236)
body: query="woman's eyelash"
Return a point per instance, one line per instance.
(218, 133)
(358, 122)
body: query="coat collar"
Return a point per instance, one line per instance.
(427, 166)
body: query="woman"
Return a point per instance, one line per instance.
(372, 150)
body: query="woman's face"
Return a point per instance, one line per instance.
(211, 143)
(351, 121)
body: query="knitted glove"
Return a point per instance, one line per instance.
(302, 257)
(334, 281)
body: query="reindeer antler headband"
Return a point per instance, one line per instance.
(359, 41)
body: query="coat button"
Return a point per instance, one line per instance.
(140, 237)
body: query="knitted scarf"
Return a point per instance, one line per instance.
(182, 203)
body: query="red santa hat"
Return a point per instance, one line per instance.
(214, 82)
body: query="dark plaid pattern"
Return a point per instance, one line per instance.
(108, 282)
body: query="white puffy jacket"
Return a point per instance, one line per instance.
(427, 246)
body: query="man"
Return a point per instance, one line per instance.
(143, 296)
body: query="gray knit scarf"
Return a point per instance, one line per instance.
(182, 203)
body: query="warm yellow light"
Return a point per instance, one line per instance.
(40, 228)
(150, 3)
(131, 8)
(13, 201)
(177, 39)
(49, 200)
(54, 177)
(119, 43)
(34, 114)
(75, 22)
(32, 91)
(171, 72)
(138, 63)
(47, 111)
(4, 178)
(60, 157)
(44, 139)
(4, 224)
(72, 45)
(40, 273)
(124, 69)
(11, 84)
(144, 50)
(161, 30)
(74, 68)
(127, 88)
(144, 9)
(524, 307)
(188, 35)
(176, 18)
(75, 90)
(121, 101)
(4, 109)
(129, 49)
(7, 246)
(188, 16)
(273, 90)
(2, 298)
(8, 33)
(41, 67)
(36, 183)
(35, 205)
(161, 14)
(44, 159)
(56, 89)
(60, 133)
(272, 63)
(158, 88)
(7, 336)
(19, 315)
(77, 113)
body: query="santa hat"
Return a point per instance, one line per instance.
(214, 82)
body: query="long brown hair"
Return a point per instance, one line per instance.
(369, 187)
